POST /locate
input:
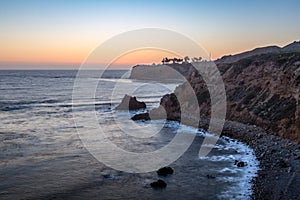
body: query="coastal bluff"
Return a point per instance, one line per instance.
(261, 90)
(159, 72)
(263, 111)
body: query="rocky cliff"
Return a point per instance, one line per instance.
(261, 90)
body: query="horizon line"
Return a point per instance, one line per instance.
(23, 65)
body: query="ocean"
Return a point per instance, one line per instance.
(43, 156)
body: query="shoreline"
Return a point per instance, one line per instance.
(278, 176)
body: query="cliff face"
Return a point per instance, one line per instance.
(262, 90)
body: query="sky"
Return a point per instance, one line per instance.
(61, 34)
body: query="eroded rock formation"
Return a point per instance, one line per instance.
(130, 103)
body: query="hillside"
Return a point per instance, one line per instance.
(264, 90)
(261, 90)
(293, 47)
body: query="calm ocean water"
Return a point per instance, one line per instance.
(42, 156)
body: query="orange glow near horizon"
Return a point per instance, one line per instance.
(42, 53)
(71, 53)
(64, 32)
(144, 56)
(72, 48)
(49, 55)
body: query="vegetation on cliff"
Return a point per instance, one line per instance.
(261, 90)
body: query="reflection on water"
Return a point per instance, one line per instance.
(43, 157)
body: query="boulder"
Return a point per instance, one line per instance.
(282, 164)
(239, 163)
(158, 184)
(154, 114)
(130, 103)
(210, 176)
(141, 116)
(165, 171)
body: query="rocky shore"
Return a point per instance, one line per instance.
(279, 158)
(279, 174)
(263, 111)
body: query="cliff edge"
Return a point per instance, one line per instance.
(167, 72)
(292, 47)
(262, 90)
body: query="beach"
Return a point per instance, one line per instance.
(279, 175)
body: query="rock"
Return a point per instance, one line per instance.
(158, 184)
(130, 103)
(169, 108)
(273, 151)
(142, 116)
(210, 176)
(154, 114)
(165, 171)
(239, 163)
(262, 154)
(108, 176)
(282, 164)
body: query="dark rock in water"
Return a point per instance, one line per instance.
(159, 184)
(153, 114)
(165, 171)
(239, 163)
(169, 109)
(142, 116)
(108, 176)
(130, 103)
(210, 176)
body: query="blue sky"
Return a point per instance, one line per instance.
(66, 31)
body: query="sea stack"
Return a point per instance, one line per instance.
(130, 103)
